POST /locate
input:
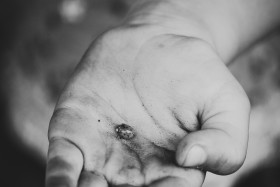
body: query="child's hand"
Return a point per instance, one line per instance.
(185, 108)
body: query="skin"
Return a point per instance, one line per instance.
(163, 99)
(170, 84)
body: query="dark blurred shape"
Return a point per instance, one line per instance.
(17, 167)
(276, 74)
(261, 177)
(267, 175)
(118, 7)
(53, 20)
(10, 13)
(56, 81)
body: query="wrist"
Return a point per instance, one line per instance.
(185, 18)
(167, 17)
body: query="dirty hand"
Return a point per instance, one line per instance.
(185, 109)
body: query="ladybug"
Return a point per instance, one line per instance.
(125, 132)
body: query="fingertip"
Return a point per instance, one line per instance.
(91, 179)
(194, 156)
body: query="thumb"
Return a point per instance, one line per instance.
(220, 146)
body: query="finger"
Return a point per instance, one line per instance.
(64, 165)
(174, 181)
(89, 179)
(156, 169)
(220, 146)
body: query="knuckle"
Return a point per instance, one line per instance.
(238, 159)
(231, 159)
(242, 98)
(234, 161)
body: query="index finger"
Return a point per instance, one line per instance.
(64, 164)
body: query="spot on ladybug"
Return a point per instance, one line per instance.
(125, 132)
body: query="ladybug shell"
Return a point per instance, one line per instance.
(125, 132)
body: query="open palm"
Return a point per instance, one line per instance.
(172, 91)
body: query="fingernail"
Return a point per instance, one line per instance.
(195, 157)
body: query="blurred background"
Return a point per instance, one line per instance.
(41, 41)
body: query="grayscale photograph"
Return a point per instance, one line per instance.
(140, 93)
